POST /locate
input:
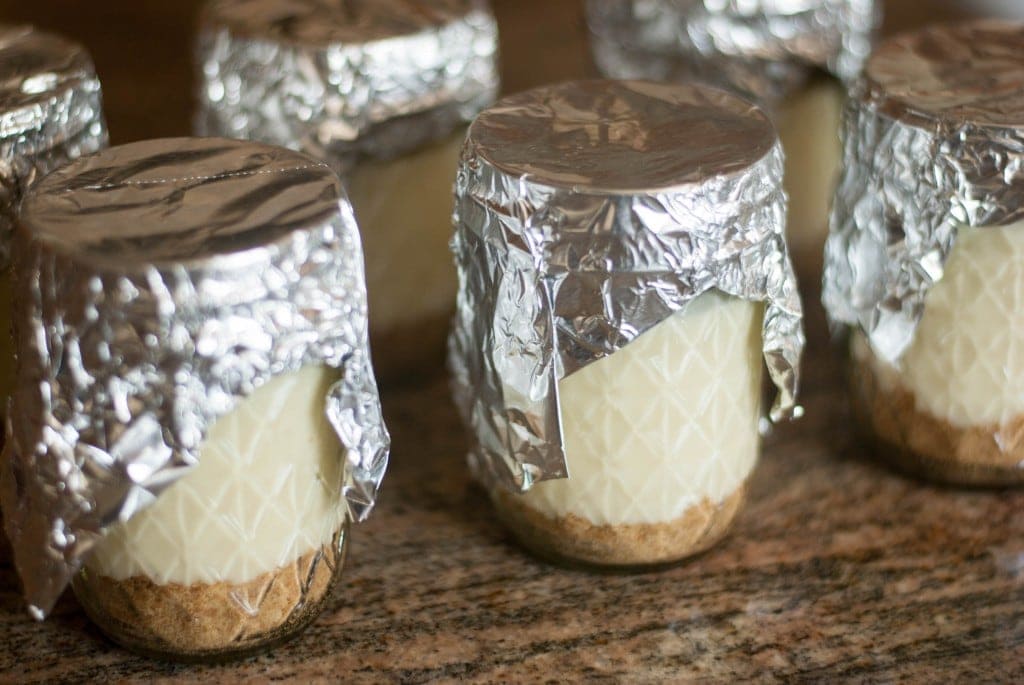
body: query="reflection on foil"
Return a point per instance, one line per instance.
(157, 284)
(763, 48)
(933, 139)
(340, 80)
(586, 214)
(50, 113)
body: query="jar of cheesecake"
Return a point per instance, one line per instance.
(622, 274)
(382, 91)
(925, 259)
(791, 56)
(196, 420)
(50, 112)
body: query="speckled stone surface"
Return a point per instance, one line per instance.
(837, 570)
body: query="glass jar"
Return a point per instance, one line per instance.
(51, 113)
(611, 320)
(791, 59)
(925, 262)
(381, 91)
(243, 551)
(217, 377)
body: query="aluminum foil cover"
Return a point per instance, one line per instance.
(763, 48)
(341, 80)
(157, 284)
(933, 140)
(50, 113)
(585, 214)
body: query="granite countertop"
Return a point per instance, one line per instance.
(836, 569)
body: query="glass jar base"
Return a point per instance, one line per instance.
(209, 623)
(573, 541)
(931, 448)
(944, 472)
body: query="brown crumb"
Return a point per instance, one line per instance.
(573, 538)
(215, 621)
(928, 446)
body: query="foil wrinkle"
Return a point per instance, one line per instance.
(50, 113)
(345, 80)
(586, 213)
(156, 285)
(933, 140)
(762, 48)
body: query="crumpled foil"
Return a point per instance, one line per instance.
(933, 139)
(588, 212)
(50, 113)
(763, 48)
(342, 80)
(156, 285)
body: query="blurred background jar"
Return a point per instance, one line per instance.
(51, 112)
(925, 262)
(622, 272)
(196, 412)
(791, 56)
(382, 92)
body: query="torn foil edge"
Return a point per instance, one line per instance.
(88, 449)
(514, 337)
(903, 192)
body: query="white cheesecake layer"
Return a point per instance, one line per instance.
(267, 490)
(966, 363)
(668, 421)
(808, 122)
(404, 211)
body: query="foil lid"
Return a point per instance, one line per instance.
(50, 113)
(588, 212)
(933, 140)
(762, 48)
(157, 284)
(341, 80)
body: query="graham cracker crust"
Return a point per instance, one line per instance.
(929, 447)
(215, 621)
(575, 540)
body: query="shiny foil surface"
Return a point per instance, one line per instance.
(340, 80)
(585, 214)
(50, 113)
(933, 139)
(762, 48)
(157, 284)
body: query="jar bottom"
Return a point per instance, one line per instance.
(213, 622)
(927, 447)
(573, 541)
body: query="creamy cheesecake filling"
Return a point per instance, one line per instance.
(667, 423)
(808, 122)
(404, 211)
(966, 363)
(267, 491)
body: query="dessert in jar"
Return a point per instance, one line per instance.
(791, 57)
(382, 91)
(196, 420)
(50, 112)
(925, 260)
(622, 271)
